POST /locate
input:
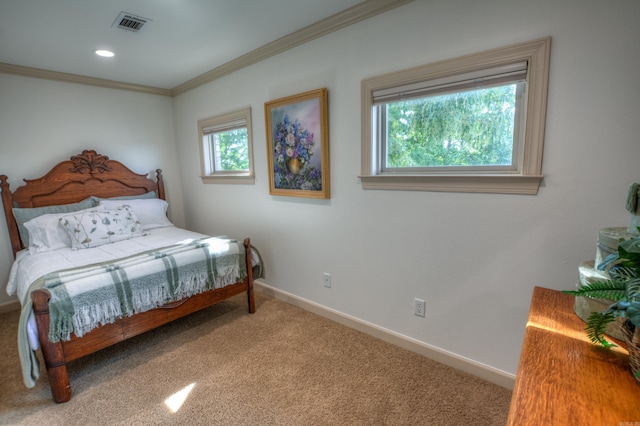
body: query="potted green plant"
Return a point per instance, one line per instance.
(624, 290)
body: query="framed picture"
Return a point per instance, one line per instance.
(298, 145)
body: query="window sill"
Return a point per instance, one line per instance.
(229, 179)
(496, 184)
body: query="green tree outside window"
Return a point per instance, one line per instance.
(470, 128)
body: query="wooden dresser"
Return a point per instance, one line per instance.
(563, 378)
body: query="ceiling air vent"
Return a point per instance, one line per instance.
(130, 22)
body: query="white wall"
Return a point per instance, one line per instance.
(474, 257)
(43, 122)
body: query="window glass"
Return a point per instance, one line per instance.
(231, 150)
(471, 128)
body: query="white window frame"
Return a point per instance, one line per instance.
(525, 179)
(229, 121)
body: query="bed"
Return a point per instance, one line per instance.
(92, 191)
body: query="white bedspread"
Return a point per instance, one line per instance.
(29, 267)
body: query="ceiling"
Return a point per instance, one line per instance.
(181, 40)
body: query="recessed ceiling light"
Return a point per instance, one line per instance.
(104, 53)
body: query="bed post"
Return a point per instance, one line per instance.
(52, 353)
(7, 202)
(160, 183)
(250, 296)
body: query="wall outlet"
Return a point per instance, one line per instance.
(326, 280)
(418, 307)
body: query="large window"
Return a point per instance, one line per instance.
(471, 124)
(226, 150)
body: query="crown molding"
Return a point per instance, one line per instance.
(79, 79)
(347, 17)
(357, 13)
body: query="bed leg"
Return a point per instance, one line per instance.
(59, 383)
(250, 296)
(251, 299)
(53, 353)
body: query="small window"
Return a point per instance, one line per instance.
(226, 149)
(471, 124)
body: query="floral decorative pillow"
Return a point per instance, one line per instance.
(95, 227)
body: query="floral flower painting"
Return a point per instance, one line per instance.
(298, 149)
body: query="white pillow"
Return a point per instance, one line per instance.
(24, 215)
(152, 212)
(95, 227)
(46, 233)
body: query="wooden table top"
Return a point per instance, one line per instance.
(563, 378)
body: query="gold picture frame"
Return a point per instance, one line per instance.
(298, 145)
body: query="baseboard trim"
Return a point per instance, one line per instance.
(9, 306)
(483, 371)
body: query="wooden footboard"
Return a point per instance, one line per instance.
(56, 355)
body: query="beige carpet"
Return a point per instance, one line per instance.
(280, 366)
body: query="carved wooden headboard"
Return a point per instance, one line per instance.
(73, 180)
